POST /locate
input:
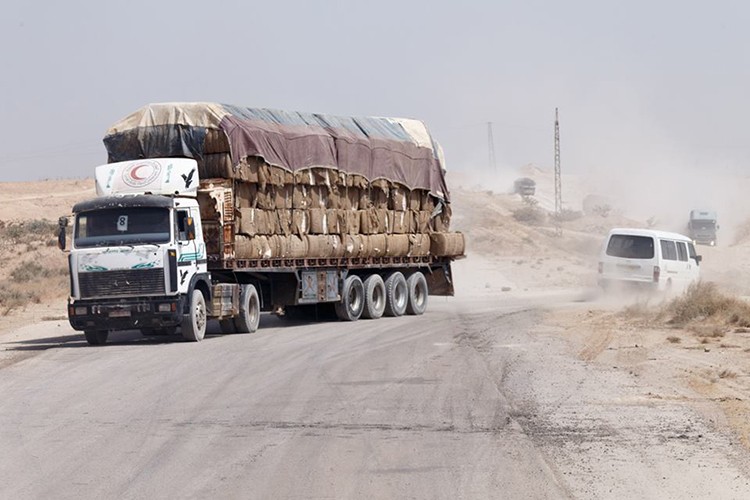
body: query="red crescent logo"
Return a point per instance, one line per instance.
(134, 173)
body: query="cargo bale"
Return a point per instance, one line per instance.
(301, 197)
(332, 221)
(399, 222)
(377, 245)
(216, 165)
(419, 245)
(319, 197)
(428, 201)
(318, 221)
(421, 222)
(246, 195)
(442, 221)
(253, 221)
(216, 141)
(397, 245)
(353, 245)
(252, 247)
(415, 199)
(247, 170)
(300, 222)
(447, 244)
(265, 198)
(399, 198)
(285, 222)
(282, 195)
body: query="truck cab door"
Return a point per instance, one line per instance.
(188, 252)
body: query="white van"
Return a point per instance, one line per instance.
(653, 259)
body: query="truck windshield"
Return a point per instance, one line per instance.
(122, 226)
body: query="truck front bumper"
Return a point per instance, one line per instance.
(126, 314)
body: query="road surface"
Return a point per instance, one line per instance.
(476, 399)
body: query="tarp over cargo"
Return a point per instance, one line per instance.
(397, 149)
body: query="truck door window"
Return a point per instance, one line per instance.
(668, 250)
(182, 216)
(682, 253)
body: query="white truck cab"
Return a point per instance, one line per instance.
(137, 253)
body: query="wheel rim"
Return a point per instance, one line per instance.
(200, 316)
(401, 295)
(378, 298)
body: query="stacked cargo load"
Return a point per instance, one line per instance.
(288, 185)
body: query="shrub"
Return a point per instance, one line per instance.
(29, 271)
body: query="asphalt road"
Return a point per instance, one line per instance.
(475, 399)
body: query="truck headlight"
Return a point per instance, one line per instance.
(81, 310)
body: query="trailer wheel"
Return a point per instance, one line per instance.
(396, 295)
(194, 322)
(249, 317)
(374, 297)
(352, 299)
(96, 337)
(418, 292)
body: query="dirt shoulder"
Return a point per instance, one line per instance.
(708, 372)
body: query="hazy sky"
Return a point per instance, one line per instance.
(639, 84)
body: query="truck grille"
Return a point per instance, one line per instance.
(123, 283)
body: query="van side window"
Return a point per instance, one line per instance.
(682, 253)
(668, 250)
(692, 254)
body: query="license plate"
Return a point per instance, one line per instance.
(119, 314)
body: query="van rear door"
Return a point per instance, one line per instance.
(629, 257)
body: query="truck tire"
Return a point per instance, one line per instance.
(96, 337)
(249, 318)
(418, 292)
(374, 297)
(352, 299)
(194, 322)
(396, 296)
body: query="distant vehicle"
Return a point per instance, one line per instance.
(702, 227)
(524, 186)
(656, 260)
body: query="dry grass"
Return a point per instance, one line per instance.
(35, 270)
(674, 340)
(704, 303)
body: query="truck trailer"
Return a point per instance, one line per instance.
(210, 211)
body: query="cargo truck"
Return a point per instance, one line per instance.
(209, 211)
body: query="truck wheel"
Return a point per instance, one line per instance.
(96, 337)
(417, 286)
(352, 299)
(374, 297)
(395, 294)
(194, 322)
(249, 317)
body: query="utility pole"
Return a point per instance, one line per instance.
(491, 145)
(558, 180)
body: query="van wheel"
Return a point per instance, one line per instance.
(194, 322)
(249, 317)
(396, 295)
(96, 337)
(417, 287)
(352, 299)
(374, 297)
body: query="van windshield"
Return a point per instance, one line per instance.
(631, 246)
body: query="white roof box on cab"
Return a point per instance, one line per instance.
(166, 176)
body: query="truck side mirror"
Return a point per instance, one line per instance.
(698, 258)
(62, 223)
(190, 228)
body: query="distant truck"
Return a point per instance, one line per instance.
(524, 186)
(208, 211)
(702, 227)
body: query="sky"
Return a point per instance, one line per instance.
(641, 86)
